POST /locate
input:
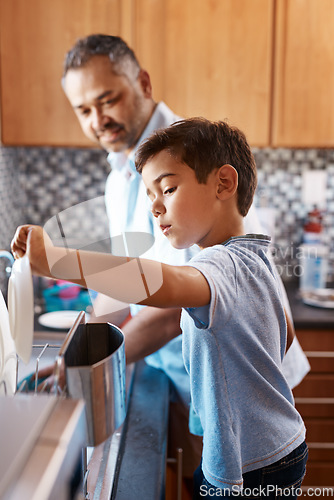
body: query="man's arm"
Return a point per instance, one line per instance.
(146, 332)
(150, 330)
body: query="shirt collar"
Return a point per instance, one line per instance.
(159, 118)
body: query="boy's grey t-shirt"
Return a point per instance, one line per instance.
(233, 351)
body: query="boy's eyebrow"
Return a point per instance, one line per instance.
(98, 98)
(159, 179)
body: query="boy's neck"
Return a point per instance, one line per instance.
(232, 229)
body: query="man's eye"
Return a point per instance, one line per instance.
(110, 102)
(169, 190)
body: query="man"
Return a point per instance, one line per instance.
(112, 98)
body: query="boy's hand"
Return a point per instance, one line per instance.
(32, 241)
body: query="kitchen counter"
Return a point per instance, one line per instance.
(305, 316)
(131, 464)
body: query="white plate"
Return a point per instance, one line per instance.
(59, 319)
(323, 297)
(21, 307)
(8, 353)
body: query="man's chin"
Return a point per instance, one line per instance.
(112, 147)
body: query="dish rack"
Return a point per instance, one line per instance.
(89, 365)
(38, 384)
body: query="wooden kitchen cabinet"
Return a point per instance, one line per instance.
(315, 401)
(210, 58)
(303, 97)
(265, 65)
(34, 37)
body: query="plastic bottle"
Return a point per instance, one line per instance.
(314, 253)
(313, 227)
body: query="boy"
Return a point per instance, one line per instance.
(201, 178)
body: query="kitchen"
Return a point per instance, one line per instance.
(279, 60)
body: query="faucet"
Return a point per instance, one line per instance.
(7, 255)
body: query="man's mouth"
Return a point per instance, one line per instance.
(110, 134)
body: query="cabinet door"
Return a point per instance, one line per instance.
(210, 58)
(34, 36)
(314, 398)
(304, 74)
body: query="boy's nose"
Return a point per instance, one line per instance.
(157, 208)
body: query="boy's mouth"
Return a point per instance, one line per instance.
(165, 229)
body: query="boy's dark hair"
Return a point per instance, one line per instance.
(204, 146)
(119, 53)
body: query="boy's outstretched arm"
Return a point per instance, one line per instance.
(131, 280)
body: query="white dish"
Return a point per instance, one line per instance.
(21, 307)
(59, 319)
(8, 353)
(323, 297)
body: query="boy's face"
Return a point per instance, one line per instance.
(186, 211)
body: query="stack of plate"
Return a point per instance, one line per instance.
(16, 324)
(321, 297)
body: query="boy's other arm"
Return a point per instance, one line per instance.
(290, 331)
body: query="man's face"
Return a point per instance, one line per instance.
(112, 109)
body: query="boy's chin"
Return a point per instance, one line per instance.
(181, 245)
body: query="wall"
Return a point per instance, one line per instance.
(37, 183)
(12, 199)
(280, 187)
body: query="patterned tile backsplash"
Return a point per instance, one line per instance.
(36, 183)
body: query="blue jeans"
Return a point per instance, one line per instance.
(281, 479)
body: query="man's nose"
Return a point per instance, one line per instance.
(98, 119)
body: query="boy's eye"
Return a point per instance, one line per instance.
(169, 190)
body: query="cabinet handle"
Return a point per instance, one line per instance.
(178, 460)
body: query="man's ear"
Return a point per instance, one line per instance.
(227, 182)
(145, 82)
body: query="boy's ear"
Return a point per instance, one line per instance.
(227, 182)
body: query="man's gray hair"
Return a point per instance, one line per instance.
(123, 58)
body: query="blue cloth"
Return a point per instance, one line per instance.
(233, 351)
(279, 480)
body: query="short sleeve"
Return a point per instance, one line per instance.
(218, 268)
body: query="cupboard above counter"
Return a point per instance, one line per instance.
(265, 65)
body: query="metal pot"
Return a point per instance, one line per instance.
(93, 358)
